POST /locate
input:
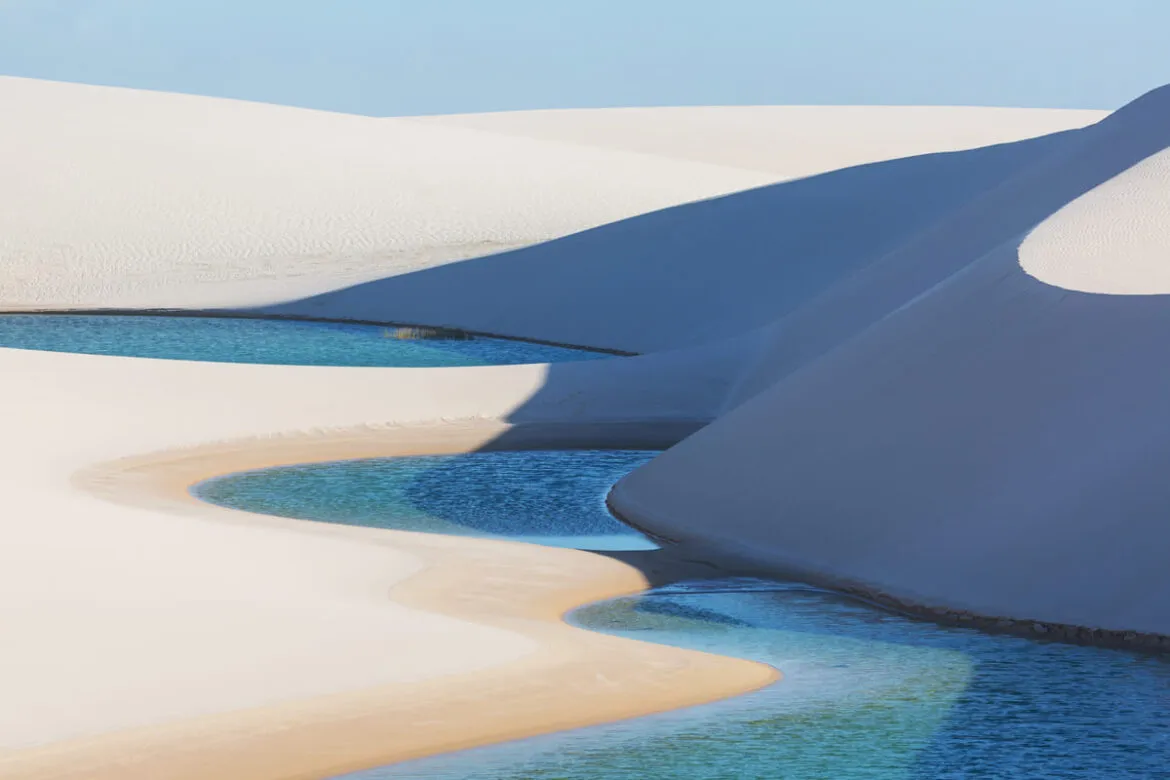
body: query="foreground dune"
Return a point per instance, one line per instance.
(864, 338)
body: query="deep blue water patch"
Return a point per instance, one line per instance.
(268, 341)
(866, 695)
(545, 497)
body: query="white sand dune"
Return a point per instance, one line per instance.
(899, 402)
(1112, 240)
(948, 430)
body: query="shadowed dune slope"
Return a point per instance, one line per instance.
(696, 272)
(1086, 162)
(995, 444)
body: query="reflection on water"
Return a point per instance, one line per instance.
(866, 695)
(553, 497)
(279, 342)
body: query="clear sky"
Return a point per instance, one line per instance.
(396, 57)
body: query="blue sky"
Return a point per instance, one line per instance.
(396, 57)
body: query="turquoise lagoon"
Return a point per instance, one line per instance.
(866, 694)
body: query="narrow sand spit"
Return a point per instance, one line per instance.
(149, 636)
(975, 423)
(521, 589)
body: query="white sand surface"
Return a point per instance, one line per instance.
(118, 197)
(789, 141)
(117, 616)
(1112, 240)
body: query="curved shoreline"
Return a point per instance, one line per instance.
(742, 561)
(520, 588)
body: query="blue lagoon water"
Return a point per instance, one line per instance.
(555, 498)
(275, 342)
(866, 694)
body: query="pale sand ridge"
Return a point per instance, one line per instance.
(150, 599)
(790, 141)
(1112, 240)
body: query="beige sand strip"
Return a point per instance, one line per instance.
(575, 678)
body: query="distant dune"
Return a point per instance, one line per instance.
(720, 267)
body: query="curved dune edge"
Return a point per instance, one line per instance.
(575, 678)
(726, 554)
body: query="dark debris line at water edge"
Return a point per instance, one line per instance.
(270, 341)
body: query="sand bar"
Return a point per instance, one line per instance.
(572, 678)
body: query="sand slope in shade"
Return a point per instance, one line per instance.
(954, 432)
(789, 141)
(701, 271)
